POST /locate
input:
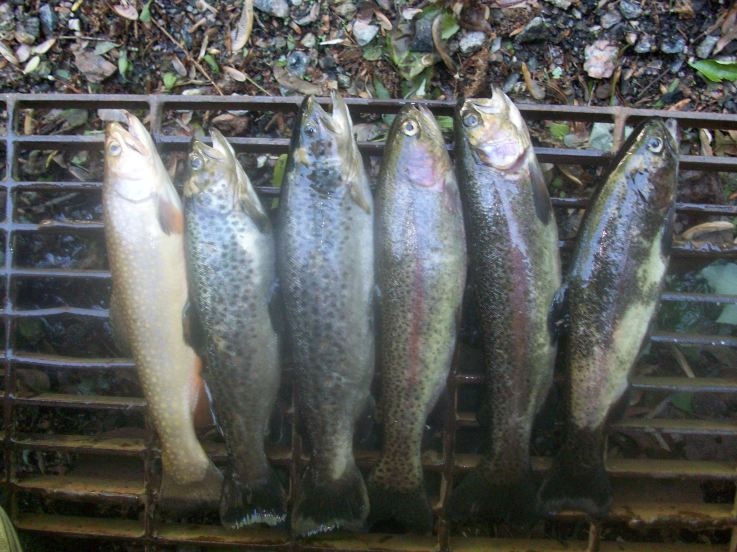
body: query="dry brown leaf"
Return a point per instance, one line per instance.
(724, 40)
(126, 10)
(245, 26)
(535, 90)
(235, 74)
(8, 54)
(705, 141)
(383, 20)
(287, 80)
(44, 47)
(440, 47)
(178, 66)
(707, 228)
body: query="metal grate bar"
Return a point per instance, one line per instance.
(446, 463)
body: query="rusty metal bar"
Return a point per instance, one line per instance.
(447, 463)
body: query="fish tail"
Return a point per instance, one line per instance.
(323, 505)
(578, 479)
(511, 500)
(261, 501)
(191, 496)
(409, 507)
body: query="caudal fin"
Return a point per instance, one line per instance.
(409, 508)
(324, 505)
(477, 498)
(578, 479)
(195, 495)
(261, 501)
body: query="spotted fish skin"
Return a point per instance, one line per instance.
(421, 274)
(231, 267)
(143, 231)
(326, 266)
(613, 290)
(513, 246)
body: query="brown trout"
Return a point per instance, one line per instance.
(143, 229)
(515, 265)
(230, 262)
(326, 264)
(612, 292)
(421, 274)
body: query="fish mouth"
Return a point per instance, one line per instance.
(116, 132)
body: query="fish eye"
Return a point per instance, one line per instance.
(195, 162)
(655, 144)
(310, 130)
(410, 128)
(470, 120)
(114, 149)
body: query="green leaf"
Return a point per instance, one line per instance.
(104, 47)
(373, 52)
(448, 25)
(170, 81)
(380, 90)
(123, 64)
(722, 277)
(211, 63)
(559, 130)
(682, 401)
(31, 329)
(715, 70)
(279, 168)
(445, 122)
(145, 16)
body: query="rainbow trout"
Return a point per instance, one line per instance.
(326, 263)
(144, 224)
(516, 272)
(230, 261)
(421, 274)
(612, 292)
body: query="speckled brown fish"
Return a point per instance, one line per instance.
(143, 228)
(613, 290)
(230, 262)
(513, 246)
(421, 274)
(326, 264)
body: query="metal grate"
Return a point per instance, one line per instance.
(125, 482)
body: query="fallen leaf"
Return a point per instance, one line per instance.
(234, 73)
(126, 10)
(8, 54)
(44, 47)
(707, 228)
(705, 142)
(245, 25)
(535, 90)
(95, 67)
(715, 70)
(440, 46)
(32, 65)
(178, 66)
(289, 81)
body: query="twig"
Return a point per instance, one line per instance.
(192, 60)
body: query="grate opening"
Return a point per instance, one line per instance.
(80, 462)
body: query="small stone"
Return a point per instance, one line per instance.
(49, 19)
(344, 80)
(277, 8)
(644, 44)
(309, 40)
(600, 58)
(297, 63)
(422, 37)
(33, 27)
(673, 45)
(345, 9)
(327, 62)
(562, 4)
(610, 18)
(510, 81)
(364, 32)
(95, 67)
(295, 2)
(74, 25)
(470, 42)
(630, 38)
(703, 50)
(23, 52)
(536, 29)
(676, 66)
(630, 10)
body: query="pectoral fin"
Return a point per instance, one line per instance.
(359, 197)
(170, 213)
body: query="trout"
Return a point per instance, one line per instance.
(230, 261)
(326, 264)
(144, 226)
(515, 268)
(421, 274)
(612, 292)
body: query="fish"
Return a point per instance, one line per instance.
(325, 257)
(421, 275)
(610, 298)
(230, 257)
(144, 226)
(515, 270)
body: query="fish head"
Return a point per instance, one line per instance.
(416, 147)
(212, 170)
(130, 159)
(494, 131)
(649, 161)
(326, 137)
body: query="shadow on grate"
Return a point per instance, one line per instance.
(81, 464)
